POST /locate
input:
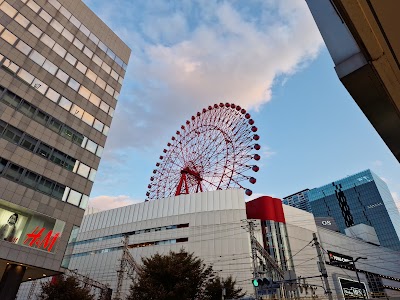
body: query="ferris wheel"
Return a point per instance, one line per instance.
(213, 150)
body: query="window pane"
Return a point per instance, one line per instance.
(94, 99)
(52, 95)
(8, 37)
(77, 138)
(74, 197)
(2, 126)
(59, 50)
(33, 6)
(3, 164)
(8, 9)
(104, 106)
(30, 179)
(81, 67)
(84, 30)
(111, 112)
(88, 52)
(97, 60)
(75, 21)
(44, 150)
(50, 67)
(12, 134)
(67, 133)
(91, 75)
(98, 125)
(57, 26)
(27, 109)
(106, 68)
(78, 44)
(92, 174)
(84, 92)
(106, 129)
(109, 90)
(99, 151)
(24, 48)
(69, 163)
(88, 118)
(29, 143)
(62, 75)
(83, 170)
(41, 117)
(111, 54)
(73, 84)
(94, 38)
(45, 16)
(13, 172)
(55, 3)
(65, 12)
(48, 41)
(114, 75)
(91, 146)
(35, 31)
(102, 46)
(68, 35)
(11, 99)
(37, 57)
(58, 157)
(76, 111)
(65, 103)
(24, 22)
(39, 86)
(58, 191)
(24, 75)
(71, 59)
(45, 186)
(55, 125)
(10, 66)
(84, 202)
(101, 83)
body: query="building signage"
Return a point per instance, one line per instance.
(337, 258)
(375, 205)
(352, 289)
(326, 222)
(21, 226)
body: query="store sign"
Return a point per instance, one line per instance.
(326, 222)
(337, 258)
(25, 227)
(34, 239)
(352, 289)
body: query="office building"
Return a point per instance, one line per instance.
(362, 198)
(298, 200)
(61, 70)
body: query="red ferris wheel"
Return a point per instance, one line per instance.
(214, 150)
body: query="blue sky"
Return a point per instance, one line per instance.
(265, 55)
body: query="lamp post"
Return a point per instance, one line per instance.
(358, 277)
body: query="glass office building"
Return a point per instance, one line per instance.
(298, 200)
(362, 198)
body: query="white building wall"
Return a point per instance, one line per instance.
(214, 234)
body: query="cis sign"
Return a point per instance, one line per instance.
(34, 239)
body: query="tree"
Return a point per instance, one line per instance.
(64, 288)
(176, 276)
(214, 289)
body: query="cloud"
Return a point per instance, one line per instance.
(377, 163)
(187, 55)
(100, 203)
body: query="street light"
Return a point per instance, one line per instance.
(358, 277)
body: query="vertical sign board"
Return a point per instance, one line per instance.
(352, 289)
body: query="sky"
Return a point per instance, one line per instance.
(265, 55)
